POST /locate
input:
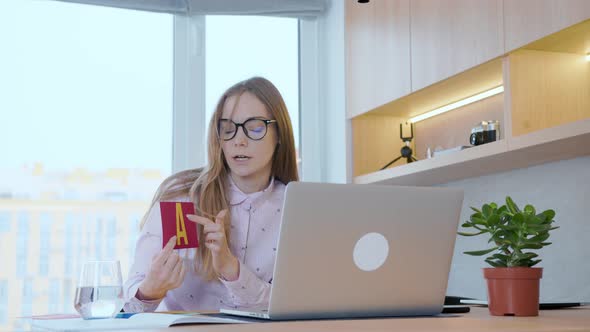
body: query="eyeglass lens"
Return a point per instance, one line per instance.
(253, 128)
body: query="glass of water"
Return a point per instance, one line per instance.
(100, 290)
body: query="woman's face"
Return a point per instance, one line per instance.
(248, 159)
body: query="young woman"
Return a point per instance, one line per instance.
(238, 198)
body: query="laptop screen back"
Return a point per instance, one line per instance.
(363, 250)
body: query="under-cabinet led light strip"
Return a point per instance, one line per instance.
(460, 103)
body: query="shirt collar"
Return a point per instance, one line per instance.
(237, 196)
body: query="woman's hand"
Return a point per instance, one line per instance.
(224, 262)
(166, 272)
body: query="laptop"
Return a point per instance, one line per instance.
(348, 250)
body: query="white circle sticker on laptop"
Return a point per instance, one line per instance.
(370, 251)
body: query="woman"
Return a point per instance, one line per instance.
(238, 198)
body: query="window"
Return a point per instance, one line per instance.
(70, 237)
(45, 245)
(3, 302)
(239, 47)
(54, 295)
(87, 110)
(133, 225)
(111, 233)
(4, 221)
(22, 251)
(68, 293)
(27, 297)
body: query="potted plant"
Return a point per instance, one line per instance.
(513, 282)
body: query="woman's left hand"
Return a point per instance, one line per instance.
(224, 262)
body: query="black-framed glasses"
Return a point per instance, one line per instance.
(254, 128)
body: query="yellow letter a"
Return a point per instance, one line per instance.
(180, 228)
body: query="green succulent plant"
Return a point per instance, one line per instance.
(511, 231)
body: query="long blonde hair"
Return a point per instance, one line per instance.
(206, 186)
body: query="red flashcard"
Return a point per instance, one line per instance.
(175, 222)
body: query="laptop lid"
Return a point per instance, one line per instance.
(349, 250)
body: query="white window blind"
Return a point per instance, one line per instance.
(289, 8)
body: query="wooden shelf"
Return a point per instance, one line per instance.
(561, 142)
(449, 167)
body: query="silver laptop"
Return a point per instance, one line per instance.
(349, 250)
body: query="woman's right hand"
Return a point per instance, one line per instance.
(166, 273)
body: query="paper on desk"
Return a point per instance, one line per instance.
(51, 316)
(138, 321)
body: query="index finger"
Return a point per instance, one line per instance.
(199, 220)
(220, 216)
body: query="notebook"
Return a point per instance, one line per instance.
(139, 321)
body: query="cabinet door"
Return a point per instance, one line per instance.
(377, 53)
(529, 20)
(450, 36)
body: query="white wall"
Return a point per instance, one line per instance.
(562, 186)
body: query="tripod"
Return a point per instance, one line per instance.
(406, 151)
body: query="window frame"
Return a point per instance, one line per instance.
(326, 133)
(189, 116)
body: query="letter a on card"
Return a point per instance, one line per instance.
(175, 223)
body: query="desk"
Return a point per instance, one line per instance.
(479, 319)
(574, 319)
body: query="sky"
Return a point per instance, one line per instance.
(88, 86)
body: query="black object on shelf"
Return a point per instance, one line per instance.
(456, 300)
(406, 151)
(455, 309)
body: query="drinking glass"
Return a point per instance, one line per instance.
(99, 293)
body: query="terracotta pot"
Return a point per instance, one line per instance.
(513, 291)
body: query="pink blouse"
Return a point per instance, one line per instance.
(255, 222)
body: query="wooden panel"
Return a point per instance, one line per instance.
(448, 37)
(507, 125)
(548, 89)
(452, 129)
(556, 135)
(378, 53)
(375, 142)
(528, 20)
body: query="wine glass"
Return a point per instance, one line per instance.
(99, 293)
